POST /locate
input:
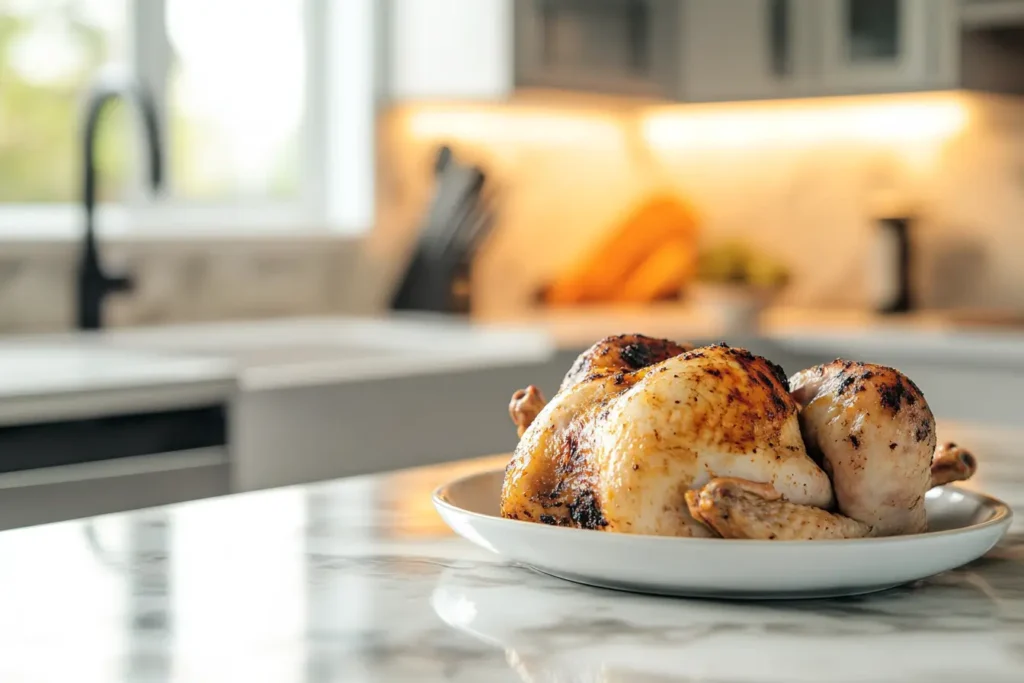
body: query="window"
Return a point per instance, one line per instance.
(252, 98)
(240, 139)
(49, 52)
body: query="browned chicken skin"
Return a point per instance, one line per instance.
(622, 353)
(876, 436)
(610, 356)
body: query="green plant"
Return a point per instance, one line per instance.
(739, 264)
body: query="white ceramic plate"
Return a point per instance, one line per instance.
(964, 526)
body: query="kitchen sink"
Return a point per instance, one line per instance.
(307, 399)
(271, 352)
(247, 354)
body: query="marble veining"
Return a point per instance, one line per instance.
(359, 580)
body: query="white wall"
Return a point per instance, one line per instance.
(451, 49)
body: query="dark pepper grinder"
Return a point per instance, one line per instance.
(892, 263)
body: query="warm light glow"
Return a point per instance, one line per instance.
(485, 124)
(884, 119)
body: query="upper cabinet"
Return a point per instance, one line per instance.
(718, 50)
(756, 49)
(623, 47)
(748, 49)
(991, 13)
(700, 50)
(887, 45)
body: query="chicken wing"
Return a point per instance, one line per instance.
(737, 508)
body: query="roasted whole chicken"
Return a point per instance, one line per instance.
(648, 436)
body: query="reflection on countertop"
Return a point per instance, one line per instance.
(358, 580)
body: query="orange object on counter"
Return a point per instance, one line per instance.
(661, 275)
(605, 270)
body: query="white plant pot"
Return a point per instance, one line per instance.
(734, 308)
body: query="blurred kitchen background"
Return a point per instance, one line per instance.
(378, 219)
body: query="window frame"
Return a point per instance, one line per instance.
(342, 49)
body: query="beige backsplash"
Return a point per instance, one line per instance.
(798, 179)
(179, 283)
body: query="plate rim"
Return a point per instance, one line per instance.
(1003, 517)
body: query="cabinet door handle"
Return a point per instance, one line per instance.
(548, 17)
(638, 35)
(779, 37)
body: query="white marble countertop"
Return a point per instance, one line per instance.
(52, 379)
(304, 351)
(977, 338)
(358, 580)
(63, 376)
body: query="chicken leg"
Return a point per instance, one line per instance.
(873, 432)
(736, 508)
(952, 463)
(875, 435)
(524, 408)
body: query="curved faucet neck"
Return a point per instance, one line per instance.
(94, 285)
(102, 94)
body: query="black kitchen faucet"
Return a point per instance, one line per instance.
(93, 283)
